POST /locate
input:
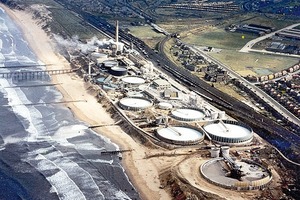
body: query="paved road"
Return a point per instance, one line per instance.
(251, 43)
(271, 52)
(261, 94)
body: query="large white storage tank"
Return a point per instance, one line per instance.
(228, 132)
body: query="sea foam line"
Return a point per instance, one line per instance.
(63, 184)
(21, 110)
(73, 170)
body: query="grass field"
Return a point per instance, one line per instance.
(278, 22)
(147, 34)
(72, 25)
(230, 43)
(46, 2)
(65, 21)
(219, 38)
(254, 63)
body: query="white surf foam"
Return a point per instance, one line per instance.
(60, 181)
(101, 161)
(20, 110)
(121, 195)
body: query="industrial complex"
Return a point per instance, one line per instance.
(165, 113)
(191, 117)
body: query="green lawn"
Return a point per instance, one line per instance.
(254, 63)
(230, 43)
(147, 34)
(219, 39)
(72, 25)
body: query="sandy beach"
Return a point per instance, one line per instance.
(143, 173)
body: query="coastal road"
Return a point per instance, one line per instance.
(251, 43)
(261, 94)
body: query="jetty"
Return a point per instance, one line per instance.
(33, 74)
(115, 152)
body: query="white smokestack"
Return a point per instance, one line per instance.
(90, 70)
(117, 35)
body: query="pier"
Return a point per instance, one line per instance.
(46, 103)
(115, 152)
(102, 125)
(34, 74)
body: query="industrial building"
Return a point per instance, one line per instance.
(251, 29)
(161, 84)
(293, 34)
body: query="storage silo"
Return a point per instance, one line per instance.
(118, 71)
(228, 132)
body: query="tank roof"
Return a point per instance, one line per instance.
(227, 130)
(133, 80)
(188, 114)
(180, 133)
(135, 103)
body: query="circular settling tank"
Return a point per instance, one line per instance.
(134, 103)
(165, 106)
(187, 114)
(181, 135)
(133, 80)
(96, 55)
(229, 132)
(252, 175)
(118, 71)
(110, 63)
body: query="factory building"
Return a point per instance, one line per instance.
(171, 94)
(161, 84)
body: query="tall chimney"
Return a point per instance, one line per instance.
(117, 34)
(90, 68)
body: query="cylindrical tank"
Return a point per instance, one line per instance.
(271, 76)
(225, 151)
(215, 152)
(222, 115)
(120, 46)
(165, 106)
(291, 69)
(110, 63)
(118, 71)
(96, 55)
(91, 49)
(134, 94)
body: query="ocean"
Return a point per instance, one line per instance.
(45, 153)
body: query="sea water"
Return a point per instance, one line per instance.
(45, 153)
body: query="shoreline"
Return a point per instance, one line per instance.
(142, 173)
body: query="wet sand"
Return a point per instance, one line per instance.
(143, 173)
